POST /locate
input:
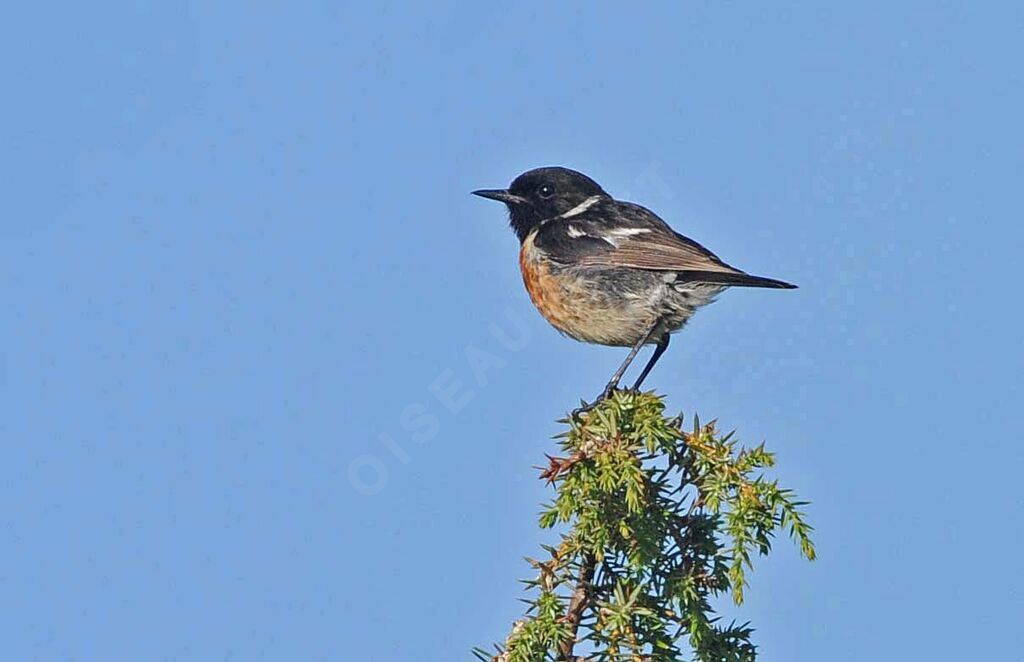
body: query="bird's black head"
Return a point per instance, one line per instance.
(544, 193)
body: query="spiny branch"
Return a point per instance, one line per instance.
(577, 604)
(673, 519)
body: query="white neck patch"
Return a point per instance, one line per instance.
(581, 207)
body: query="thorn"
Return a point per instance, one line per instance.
(557, 466)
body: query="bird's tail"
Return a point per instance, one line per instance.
(737, 279)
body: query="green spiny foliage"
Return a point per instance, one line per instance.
(658, 522)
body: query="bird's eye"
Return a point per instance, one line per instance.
(546, 191)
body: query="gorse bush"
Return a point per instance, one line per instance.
(657, 522)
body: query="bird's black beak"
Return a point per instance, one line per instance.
(501, 195)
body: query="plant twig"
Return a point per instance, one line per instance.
(577, 604)
(662, 521)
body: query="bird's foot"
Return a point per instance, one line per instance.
(585, 407)
(582, 409)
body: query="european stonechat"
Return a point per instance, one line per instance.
(610, 272)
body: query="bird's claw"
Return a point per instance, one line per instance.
(605, 394)
(582, 409)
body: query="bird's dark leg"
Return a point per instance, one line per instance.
(614, 382)
(658, 351)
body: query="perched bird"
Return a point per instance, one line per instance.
(610, 272)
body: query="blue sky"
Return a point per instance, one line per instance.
(244, 287)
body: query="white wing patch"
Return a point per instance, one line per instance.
(619, 233)
(574, 232)
(627, 232)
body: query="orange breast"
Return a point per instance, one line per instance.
(543, 288)
(558, 297)
(577, 307)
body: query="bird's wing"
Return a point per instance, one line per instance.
(659, 251)
(622, 234)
